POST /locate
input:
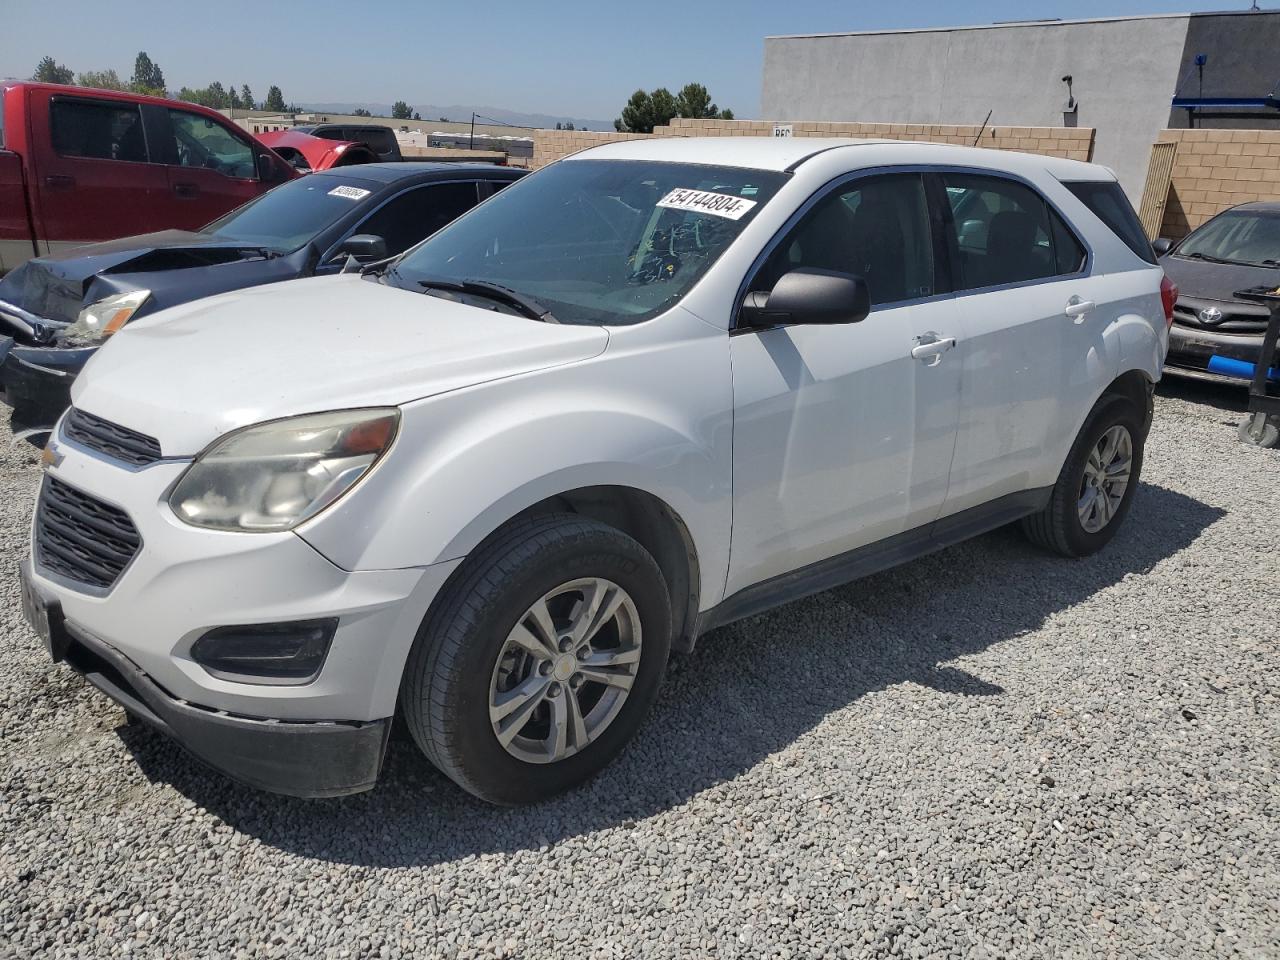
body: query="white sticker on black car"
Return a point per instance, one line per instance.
(704, 201)
(351, 193)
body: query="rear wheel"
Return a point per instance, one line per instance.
(1096, 485)
(540, 660)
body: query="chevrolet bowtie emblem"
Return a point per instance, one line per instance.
(51, 456)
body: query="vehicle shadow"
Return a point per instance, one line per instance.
(748, 691)
(1225, 397)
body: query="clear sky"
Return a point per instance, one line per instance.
(579, 58)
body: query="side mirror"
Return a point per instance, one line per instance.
(1162, 246)
(363, 246)
(809, 295)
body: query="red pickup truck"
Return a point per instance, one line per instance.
(79, 165)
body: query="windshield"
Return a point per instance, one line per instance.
(1239, 236)
(597, 241)
(285, 218)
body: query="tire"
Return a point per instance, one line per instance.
(1266, 436)
(464, 659)
(1059, 526)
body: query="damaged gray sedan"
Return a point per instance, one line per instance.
(56, 311)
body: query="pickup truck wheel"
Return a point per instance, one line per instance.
(1096, 485)
(540, 659)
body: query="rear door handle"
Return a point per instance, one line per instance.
(1078, 309)
(930, 347)
(186, 190)
(59, 182)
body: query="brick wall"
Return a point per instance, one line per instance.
(551, 145)
(1216, 169)
(1075, 143)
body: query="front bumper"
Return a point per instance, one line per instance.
(36, 381)
(1190, 351)
(301, 759)
(184, 582)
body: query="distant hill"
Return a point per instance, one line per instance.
(462, 114)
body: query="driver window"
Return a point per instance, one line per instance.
(201, 142)
(416, 214)
(876, 229)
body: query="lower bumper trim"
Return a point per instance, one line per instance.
(299, 759)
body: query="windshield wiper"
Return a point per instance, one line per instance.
(528, 306)
(1204, 256)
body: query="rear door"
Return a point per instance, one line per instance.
(1027, 308)
(95, 175)
(211, 168)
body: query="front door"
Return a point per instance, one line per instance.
(841, 436)
(212, 170)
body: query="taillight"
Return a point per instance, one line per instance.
(1168, 297)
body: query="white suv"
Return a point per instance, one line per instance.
(653, 388)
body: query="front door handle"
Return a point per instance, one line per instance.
(930, 347)
(186, 190)
(1077, 309)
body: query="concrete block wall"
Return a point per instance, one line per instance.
(1074, 143)
(1217, 169)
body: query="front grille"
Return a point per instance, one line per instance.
(115, 441)
(81, 538)
(1241, 318)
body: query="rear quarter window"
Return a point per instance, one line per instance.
(1108, 203)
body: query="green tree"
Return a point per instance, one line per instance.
(274, 101)
(49, 70)
(568, 126)
(102, 80)
(401, 110)
(233, 98)
(644, 111)
(361, 112)
(147, 76)
(417, 115)
(246, 98)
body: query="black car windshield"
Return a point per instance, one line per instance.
(285, 218)
(596, 241)
(1237, 236)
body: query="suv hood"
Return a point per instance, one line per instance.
(189, 374)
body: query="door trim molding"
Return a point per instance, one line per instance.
(873, 558)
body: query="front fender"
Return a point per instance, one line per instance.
(652, 413)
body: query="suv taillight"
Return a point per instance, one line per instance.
(1168, 297)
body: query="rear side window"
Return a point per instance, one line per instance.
(1109, 204)
(1006, 233)
(100, 131)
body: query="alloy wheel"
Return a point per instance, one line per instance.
(565, 670)
(1106, 478)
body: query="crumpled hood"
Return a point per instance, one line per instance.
(56, 286)
(191, 373)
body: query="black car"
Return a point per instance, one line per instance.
(1215, 335)
(55, 311)
(381, 140)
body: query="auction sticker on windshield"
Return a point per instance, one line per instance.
(704, 201)
(351, 193)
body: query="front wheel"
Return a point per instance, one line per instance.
(1096, 485)
(540, 660)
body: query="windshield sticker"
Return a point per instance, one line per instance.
(351, 193)
(704, 201)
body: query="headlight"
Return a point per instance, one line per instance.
(275, 475)
(100, 320)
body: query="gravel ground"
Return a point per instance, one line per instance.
(989, 752)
